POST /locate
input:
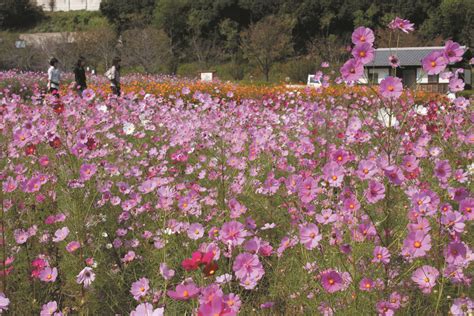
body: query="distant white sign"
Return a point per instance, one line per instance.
(206, 76)
(313, 82)
(20, 44)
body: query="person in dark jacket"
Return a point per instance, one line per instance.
(80, 76)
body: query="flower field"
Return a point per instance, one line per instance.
(185, 198)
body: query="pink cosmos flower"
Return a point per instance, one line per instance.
(455, 253)
(233, 233)
(307, 189)
(366, 284)
(184, 292)
(352, 70)
(434, 63)
(146, 309)
(333, 173)
(331, 281)
(87, 171)
(195, 231)
(86, 277)
(425, 277)
(375, 192)
(391, 87)
(363, 35)
(4, 302)
(61, 234)
(381, 254)
(403, 25)
(73, 246)
(453, 51)
(21, 236)
(394, 61)
(9, 185)
(310, 236)
(140, 288)
(417, 244)
(48, 274)
(216, 306)
(363, 52)
(456, 85)
(49, 308)
(462, 306)
(466, 206)
(384, 308)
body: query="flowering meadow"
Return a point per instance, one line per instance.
(185, 198)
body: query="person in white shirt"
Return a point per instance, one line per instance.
(113, 74)
(54, 76)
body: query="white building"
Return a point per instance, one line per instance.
(69, 5)
(410, 69)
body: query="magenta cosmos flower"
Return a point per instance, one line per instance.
(248, 265)
(366, 284)
(352, 70)
(375, 192)
(434, 63)
(391, 87)
(364, 53)
(184, 292)
(140, 288)
(331, 281)
(310, 236)
(363, 35)
(425, 277)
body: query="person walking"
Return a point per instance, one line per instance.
(54, 76)
(113, 74)
(80, 81)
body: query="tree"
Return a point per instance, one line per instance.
(126, 14)
(146, 48)
(267, 42)
(18, 14)
(99, 46)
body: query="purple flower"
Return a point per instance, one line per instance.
(384, 308)
(394, 61)
(216, 306)
(363, 35)
(466, 206)
(366, 169)
(364, 53)
(456, 85)
(307, 190)
(455, 253)
(375, 192)
(453, 51)
(463, 306)
(310, 236)
(442, 170)
(391, 87)
(331, 281)
(140, 288)
(352, 70)
(425, 277)
(434, 63)
(85, 277)
(166, 272)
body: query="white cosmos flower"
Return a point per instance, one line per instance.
(386, 118)
(128, 128)
(421, 110)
